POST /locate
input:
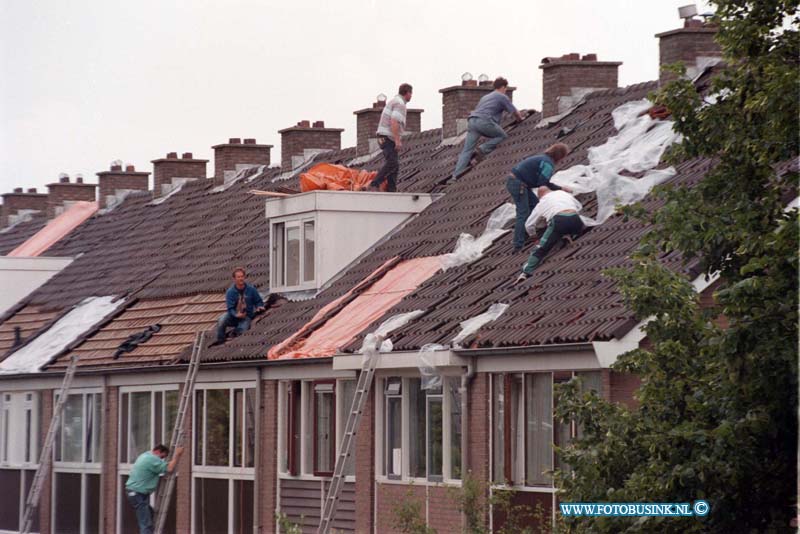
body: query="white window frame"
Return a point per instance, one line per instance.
(380, 428)
(299, 223)
(82, 468)
(228, 473)
(14, 407)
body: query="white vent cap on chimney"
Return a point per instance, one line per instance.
(381, 97)
(116, 163)
(688, 11)
(62, 175)
(483, 78)
(466, 77)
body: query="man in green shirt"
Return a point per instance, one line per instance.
(143, 481)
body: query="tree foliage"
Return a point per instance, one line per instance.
(717, 415)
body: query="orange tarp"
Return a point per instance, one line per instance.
(55, 229)
(366, 308)
(334, 178)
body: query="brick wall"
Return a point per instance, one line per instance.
(478, 431)
(109, 476)
(165, 169)
(686, 45)
(183, 483)
(296, 139)
(228, 155)
(20, 200)
(117, 179)
(63, 191)
(365, 467)
(389, 496)
(267, 467)
(45, 502)
(561, 75)
(621, 387)
(367, 124)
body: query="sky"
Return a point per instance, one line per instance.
(85, 83)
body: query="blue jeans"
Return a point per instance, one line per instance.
(477, 128)
(525, 200)
(391, 166)
(225, 320)
(144, 513)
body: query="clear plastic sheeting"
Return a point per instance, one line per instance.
(50, 343)
(472, 325)
(469, 248)
(638, 147)
(119, 196)
(376, 341)
(177, 185)
(430, 378)
(244, 170)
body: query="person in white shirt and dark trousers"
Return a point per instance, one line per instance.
(391, 127)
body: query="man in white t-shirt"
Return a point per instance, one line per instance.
(390, 137)
(561, 211)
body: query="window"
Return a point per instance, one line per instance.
(223, 473)
(19, 455)
(432, 446)
(312, 417)
(78, 464)
(524, 430)
(293, 253)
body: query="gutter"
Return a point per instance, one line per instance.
(524, 351)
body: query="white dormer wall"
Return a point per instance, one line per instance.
(345, 225)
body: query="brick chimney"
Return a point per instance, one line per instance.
(297, 140)
(234, 155)
(66, 191)
(119, 179)
(19, 200)
(567, 79)
(691, 45)
(458, 101)
(367, 125)
(165, 169)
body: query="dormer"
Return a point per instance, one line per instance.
(315, 235)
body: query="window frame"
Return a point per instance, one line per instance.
(279, 253)
(315, 428)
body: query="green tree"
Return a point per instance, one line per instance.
(717, 415)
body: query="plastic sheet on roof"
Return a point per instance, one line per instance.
(50, 343)
(430, 378)
(469, 248)
(56, 229)
(327, 176)
(358, 314)
(473, 324)
(638, 146)
(177, 185)
(245, 170)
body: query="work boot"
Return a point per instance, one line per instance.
(521, 278)
(478, 156)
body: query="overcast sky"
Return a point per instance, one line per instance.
(83, 83)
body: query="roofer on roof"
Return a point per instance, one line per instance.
(485, 121)
(390, 137)
(528, 174)
(560, 210)
(243, 302)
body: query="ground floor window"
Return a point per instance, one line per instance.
(14, 486)
(223, 505)
(77, 502)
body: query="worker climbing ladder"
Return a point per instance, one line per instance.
(167, 487)
(46, 455)
(363, 387)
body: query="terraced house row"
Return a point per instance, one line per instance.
(270, 406)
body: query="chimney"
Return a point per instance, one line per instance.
(693, 45)
(115, 179)
(165, 169)
(567, 79)
(367, 120)
(18, 201)
(232, 156)
(458, 101)
(298, 141)
(64, 191)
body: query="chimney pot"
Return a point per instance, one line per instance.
(31, 190)
(18, 190)
(589, 57)
(235, 141)
(304, 124)
(79, 180)
(187, 155)
(63, 180)
(380, 104)
(172, 155)
(470, 83)
(116, 167)
(692, 23)
(250, 141)
(319, 124)
(130, 168)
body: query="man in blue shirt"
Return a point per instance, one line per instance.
(485, 121)
(143, 481)
(243, 302)
(527, 175)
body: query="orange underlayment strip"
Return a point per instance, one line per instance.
(368, 307)
(55, 229)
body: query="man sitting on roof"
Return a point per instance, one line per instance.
(485, 121)
(560, 210)
(528, 174)
(391, 126)
(243, 302)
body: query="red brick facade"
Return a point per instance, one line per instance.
(165, 169)
(19, 200)
(109, 479)
(63, 191)
(45, 502)
(116, 179)
(296, 139)
(561, 75)
(686, 45)
(235, 152)
(267, 468)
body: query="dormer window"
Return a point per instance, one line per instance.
(293, 254)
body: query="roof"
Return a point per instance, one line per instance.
(14, 235)
(56, 229)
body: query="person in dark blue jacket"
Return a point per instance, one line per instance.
(527, 175)
(243, 302)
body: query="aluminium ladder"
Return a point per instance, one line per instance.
(46, 455)
(363, 388)
(178, 434)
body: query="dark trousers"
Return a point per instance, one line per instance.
(558, 227)
(144, 513)
(225, 320)
(391, 165)
(525, 200)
